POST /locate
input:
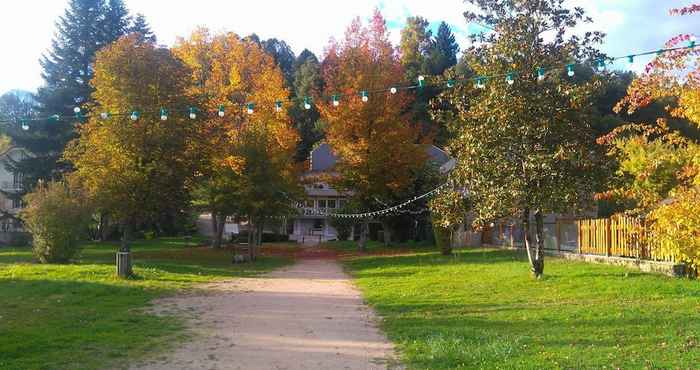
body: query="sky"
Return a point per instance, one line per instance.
(27, 26)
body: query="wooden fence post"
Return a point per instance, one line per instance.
(557, 228)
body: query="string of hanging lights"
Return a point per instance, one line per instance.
(364, 95)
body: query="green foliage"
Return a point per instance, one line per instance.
(140, 26)
(478, 309)
(98, 320)
(342, 225)
(57, 216)
(529, 145)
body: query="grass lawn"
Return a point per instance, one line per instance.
(481, 309)
(80, 316)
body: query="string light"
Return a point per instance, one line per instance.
(163, 114)
(25, 126)
(601, 65)
(336, 101)
(570, 70)
(540, 74)
(251, 107)
(222, 111)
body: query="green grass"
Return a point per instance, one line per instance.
(376, 247)
(80, 316)
(481, 309)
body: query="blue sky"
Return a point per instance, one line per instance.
(27, 26)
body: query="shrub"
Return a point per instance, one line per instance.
(56, 216)
(675, 226)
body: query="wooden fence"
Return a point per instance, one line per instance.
(619, 236)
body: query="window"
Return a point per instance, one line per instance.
(16, 203)
(321, 203)
(331, 203)
(17, 180)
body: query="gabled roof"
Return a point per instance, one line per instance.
(322, 158)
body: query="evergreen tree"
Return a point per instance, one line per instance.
(140, 26)
(307, 82)
(444, 49)
(283, 56)
(116, 21)
(85, 27)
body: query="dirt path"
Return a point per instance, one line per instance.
(307, 316)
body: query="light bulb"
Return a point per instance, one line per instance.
(421, 80)
(250, 108)
(278, 106)
(691, 41)
(193, 115)
(163, 117)
(450, 83)
(104, 115)
(393, 90)
(601, 65)
(630, 59)
(336, 102)
(509, 79)
(540, 74)
(365, 97)
(76, 110)
(25, 126)
(221, 110)
(307, 106)
(134, 116)
(163, 114)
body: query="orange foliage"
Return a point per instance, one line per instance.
(376, 145)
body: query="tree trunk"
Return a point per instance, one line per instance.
(538, 267)
(363, 236)
(124, 266)
(101, 228)
(446, 243)
(387, 233)
(534, 252)
(219, 221)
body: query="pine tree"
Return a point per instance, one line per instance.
(140, 26)
(116, 22)
(307, 82)
(415, 46)
(85, 27)
(444, 49)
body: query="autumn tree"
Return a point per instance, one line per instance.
(376, 145)
(659, 170)
(524, 148)
(136, 165)
(244, 167)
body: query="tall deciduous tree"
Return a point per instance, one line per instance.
(526, 148)
(415, 46)
(136, 169)
(245, 167)
(377, 147)
(86, 26)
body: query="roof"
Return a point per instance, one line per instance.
(322, 158)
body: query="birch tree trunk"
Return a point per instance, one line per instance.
(538, 265)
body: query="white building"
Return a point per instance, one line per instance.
(10, 184)
(309, 225)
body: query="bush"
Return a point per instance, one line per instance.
(57, 217)
(675, 226)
